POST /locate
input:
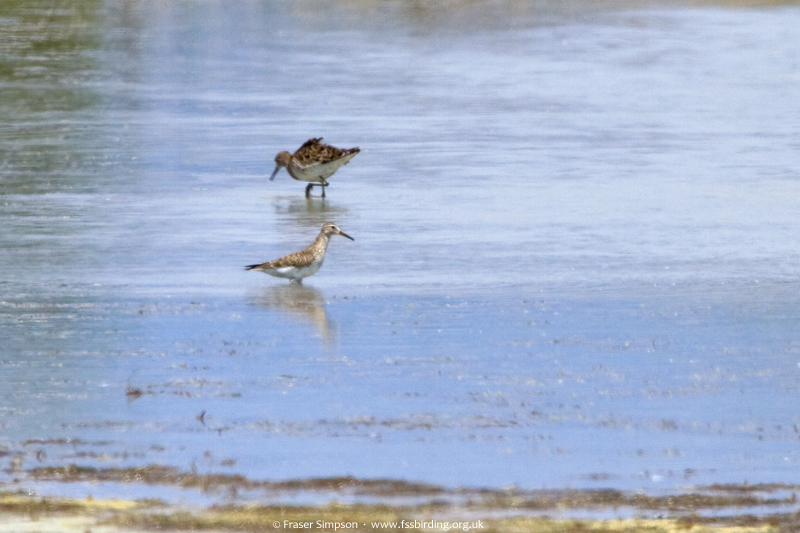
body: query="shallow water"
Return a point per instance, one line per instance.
(575, 258)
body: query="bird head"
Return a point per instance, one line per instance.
(329, 228)
(281, 160)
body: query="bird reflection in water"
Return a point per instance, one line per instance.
(306, 214)
(301, 303)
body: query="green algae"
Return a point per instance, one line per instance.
(62, 514)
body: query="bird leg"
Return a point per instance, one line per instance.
(322, 184)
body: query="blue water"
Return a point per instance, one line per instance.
(575, 259)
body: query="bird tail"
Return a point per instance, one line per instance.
(251, 267)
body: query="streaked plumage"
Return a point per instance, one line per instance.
(314, 163)
(302, 264)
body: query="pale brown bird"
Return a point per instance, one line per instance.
(302, 264)
(314, 163)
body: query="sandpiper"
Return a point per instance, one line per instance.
(314, 163)
(300, 265)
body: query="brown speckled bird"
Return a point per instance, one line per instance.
(314, 163)
(300, 265)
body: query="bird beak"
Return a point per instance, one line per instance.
(277, 168)
(343, 234)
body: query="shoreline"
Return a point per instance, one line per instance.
(21, 512)
(242, 504)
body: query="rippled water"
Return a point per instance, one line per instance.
(575, 259)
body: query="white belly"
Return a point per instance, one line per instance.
(318, 173)
(294, 273)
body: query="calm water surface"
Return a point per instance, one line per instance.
(576, 251)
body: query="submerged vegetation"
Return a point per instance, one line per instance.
(17, 510)
(346, 503)
(716, 496)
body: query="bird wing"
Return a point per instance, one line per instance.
(297, 259)
(310, 142)
(315, 153)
